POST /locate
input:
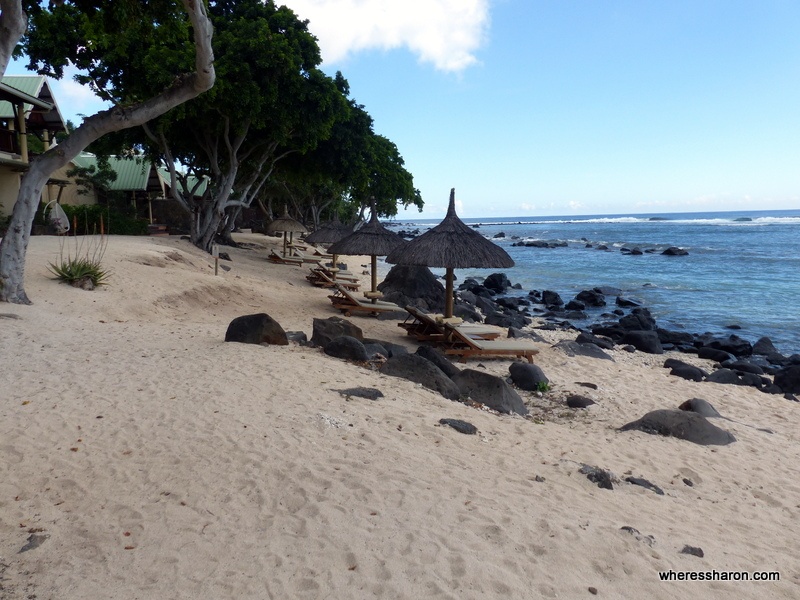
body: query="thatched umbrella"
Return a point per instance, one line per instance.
(452, 245)
(329, 234)
(373, 239)
(286, 224)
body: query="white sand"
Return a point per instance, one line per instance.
(162, 462)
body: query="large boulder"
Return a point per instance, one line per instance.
(348, 348)
(764, 347)
(420, 370)
(591, 298)
(490, 390)
(788, 379)
(437, 358)
(685, 370)
(732, 344)
(527, 376)
(644, 341)
(714, 354)
(551, 298)
(259, 328)
(640, 319)
(571, 348)
(413, 285)
(684, 425)
(325, 330)
(497, 282)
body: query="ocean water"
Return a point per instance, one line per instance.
(741, 276)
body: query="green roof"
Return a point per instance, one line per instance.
(132, 173)
(37, 88)
(164, 173)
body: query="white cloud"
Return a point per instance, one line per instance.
(445, 33)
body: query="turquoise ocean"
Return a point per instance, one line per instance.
(741, 274)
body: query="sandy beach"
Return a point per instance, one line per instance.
(143, 457)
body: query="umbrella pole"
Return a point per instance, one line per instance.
(284, 244)
(335, 265)
(448, 294)
(374, 273)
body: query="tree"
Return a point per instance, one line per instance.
(104, 38)
(270, 101)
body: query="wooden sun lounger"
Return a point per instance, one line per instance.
(284, 260)
(305, 257)
(464, 346)
(348, 304)
(321, 278)
(426, 328)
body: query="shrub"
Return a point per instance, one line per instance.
(83, 268)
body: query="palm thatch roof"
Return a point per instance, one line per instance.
(453, 245)
(330, 233)
(286, 224)
(372, 239)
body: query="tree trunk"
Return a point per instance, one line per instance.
(15, 243)
(13, 23)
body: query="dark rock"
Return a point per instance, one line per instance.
(693, 550)
(719, 356)
(647, 539)
(588, 338)
(391, 348)
(420, 370)
(347, 348)
(510, 303)
(640, 319)
(550, 298)
(576, 401)
(467, 313)
(701, 407)
(507, 320)
(601, 477)
(571, 348)
(626, 303)
(34, 541)
(460, 426)
(439, 359)
(256, 329)
(299, 337)
(326, 330)
(743, 366)
(674, 251)
(591, 298)
(514, 332)
(645, 484)
(497, 282)
(678, 338)
(498, 235)
(575, 305)
(487, 305)
(788, 379)
(413, 285)
(527, 376)
(644, 341)
(764, 347)
(683, 425)
(732, 344)
(586, 384)
(362, 392)
(688, 482)
(489, 390)
(724, 376)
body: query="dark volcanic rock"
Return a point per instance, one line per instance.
(325, 330)
(571, 348)
(684, 425)
(515, 332)
(693, 550)
(420, 370)
(391, 348)
(685, 370)
(550, 298)
(640, 319)
(713, 354)
(460, 426)
(601, 477)
(626, 303)
(346, 347)
(645, 484)
(497, 282)
(591, 298)
(439, 359)
(725, 376)
(489, 390)
(256, 329)
(732, 344)
(674, 251)
(588, 338)
(764, 347)
(362, 392)
(527, 376)
(644, 341)
(412, 285)
(788, 379)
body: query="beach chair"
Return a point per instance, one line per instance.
(433, 328)
(321, 278)
(276, 258)
(464, 346)
(349, 304)
(306, 257)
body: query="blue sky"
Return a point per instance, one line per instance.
(534, 108)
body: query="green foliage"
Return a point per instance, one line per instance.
(543, 387)
(75, 270)
(88, 216)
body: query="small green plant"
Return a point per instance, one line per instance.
(543, 387)
(83, 268)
